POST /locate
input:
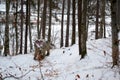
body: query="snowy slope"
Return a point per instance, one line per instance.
(63, 64)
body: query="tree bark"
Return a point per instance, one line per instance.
(68, 22)
(84, 30)
(79, 24)
(6, 43)
(115, 42)
(26, 28)
(30, 34)
(102, 24)
(44, 19)
(62, 23)
(21, 36)
(50, 17)
(16, 28)
(97, 20)
(73, 22)
(104, 27)
(38, 20)
(118, 14)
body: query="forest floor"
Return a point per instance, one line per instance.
(63, 64)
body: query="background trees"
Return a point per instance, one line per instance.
(75, 19)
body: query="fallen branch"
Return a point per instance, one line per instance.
(41, 71)
(13, 76)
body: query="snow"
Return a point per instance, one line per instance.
(2, 7)
(63, 64)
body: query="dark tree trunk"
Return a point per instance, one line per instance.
(68, 22)
(97, 20)
(6, 43)
(115, 42)
(16, 28)
(62, 23)
(104, 28)
(30, 34)
(102, 24)
(38, 20)
(44, 19)
(50, 16)
(21, 36)
(26, 28)
(79, 24)
(84, 30)
(73, 21)
(118, 14)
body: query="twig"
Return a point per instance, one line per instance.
(41, 70)
(13, 76)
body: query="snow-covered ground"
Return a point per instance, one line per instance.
(63, 64)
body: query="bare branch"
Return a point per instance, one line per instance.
(13, 76)
(41, 71)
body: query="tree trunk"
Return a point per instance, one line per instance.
(84, 30)
(16, 28)
(50, 16)
(102, 24)
(104, 28)
(26, 29)
(101, 29)
(97, 20)
(73, 22)
(62, 23)
(87, 25)
(68, 22)
(38, 20)
(13, 41)
(79, 24)
(21, 36)
(44, 19)
(118, 14)
(30, 34)
(115, 42)
(6, 43)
